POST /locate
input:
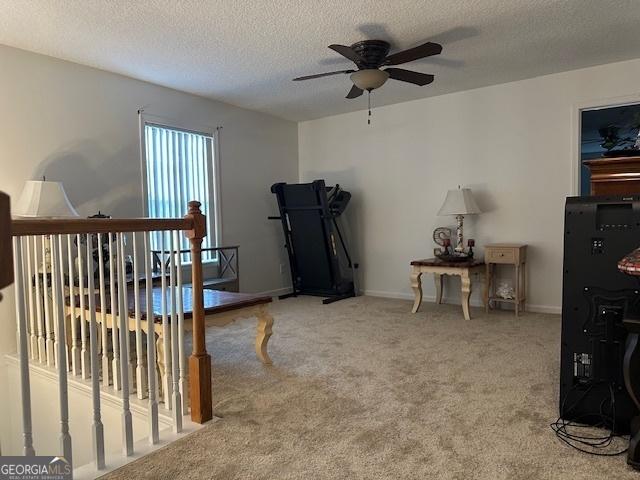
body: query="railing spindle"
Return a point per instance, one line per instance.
(141, 380)
(184, 378)
(84, 353)
(75, 352)
(166, 346)
(23, 278)
(106, 362)
(58, 293)
(33, 339)
(127, 428)
(25, 385)
(151, 344)
(46, 265)
(176, 400)
(97, 427)
(115, 339)
(42, 353)
(58, 338)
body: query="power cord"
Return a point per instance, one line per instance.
(568, 430)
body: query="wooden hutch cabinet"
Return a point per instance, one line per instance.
(615, 176)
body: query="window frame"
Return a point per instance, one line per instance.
(214, 225)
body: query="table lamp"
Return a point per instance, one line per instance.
(459, 202)
(40, 198)
(43, 199)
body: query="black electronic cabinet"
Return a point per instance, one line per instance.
(598, 232)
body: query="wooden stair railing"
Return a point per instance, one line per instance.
(29, 257)
(194, 227)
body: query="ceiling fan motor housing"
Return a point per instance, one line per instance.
(373, 52)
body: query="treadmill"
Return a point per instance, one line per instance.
(319, 256)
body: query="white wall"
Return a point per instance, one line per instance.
(511, 143)
(79, 125)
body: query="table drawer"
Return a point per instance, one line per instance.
(500, 255)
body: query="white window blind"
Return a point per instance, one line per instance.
(180, 168)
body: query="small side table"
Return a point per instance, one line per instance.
(506, 254)
(440, 268)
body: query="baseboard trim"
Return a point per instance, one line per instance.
(275, 293)
(553, 309)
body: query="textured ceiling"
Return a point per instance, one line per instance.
(245, 52)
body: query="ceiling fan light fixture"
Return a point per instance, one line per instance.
(369, 78)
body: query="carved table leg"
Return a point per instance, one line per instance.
(631, 371)
(265, 322)
(165, 380)
(416, 285)
(438, 279)
(518, 294)
(465, 282)
(487, 284)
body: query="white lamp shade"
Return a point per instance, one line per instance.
(43, 199)
(459, 202)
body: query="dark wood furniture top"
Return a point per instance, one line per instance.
(614, 176)
(215, 301)
(436, 262)
(6, 251)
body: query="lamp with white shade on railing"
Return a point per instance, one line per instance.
(44, 199)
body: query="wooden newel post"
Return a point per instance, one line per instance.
(6, 252)
(199, 361)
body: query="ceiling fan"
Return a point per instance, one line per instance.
(370, 56)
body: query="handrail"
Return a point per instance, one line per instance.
(54, 226)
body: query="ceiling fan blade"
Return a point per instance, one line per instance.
(318, 75)
(421, 51)
(409, 76)
(347, 52)
(355, 92)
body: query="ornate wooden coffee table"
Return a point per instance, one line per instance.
(439, 268)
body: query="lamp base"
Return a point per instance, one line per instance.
(460, 241)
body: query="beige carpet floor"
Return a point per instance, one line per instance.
(362, 389)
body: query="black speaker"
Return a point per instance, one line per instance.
(598, 232)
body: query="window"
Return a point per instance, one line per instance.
(179, 167)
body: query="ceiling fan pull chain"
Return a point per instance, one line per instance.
(369, 100)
